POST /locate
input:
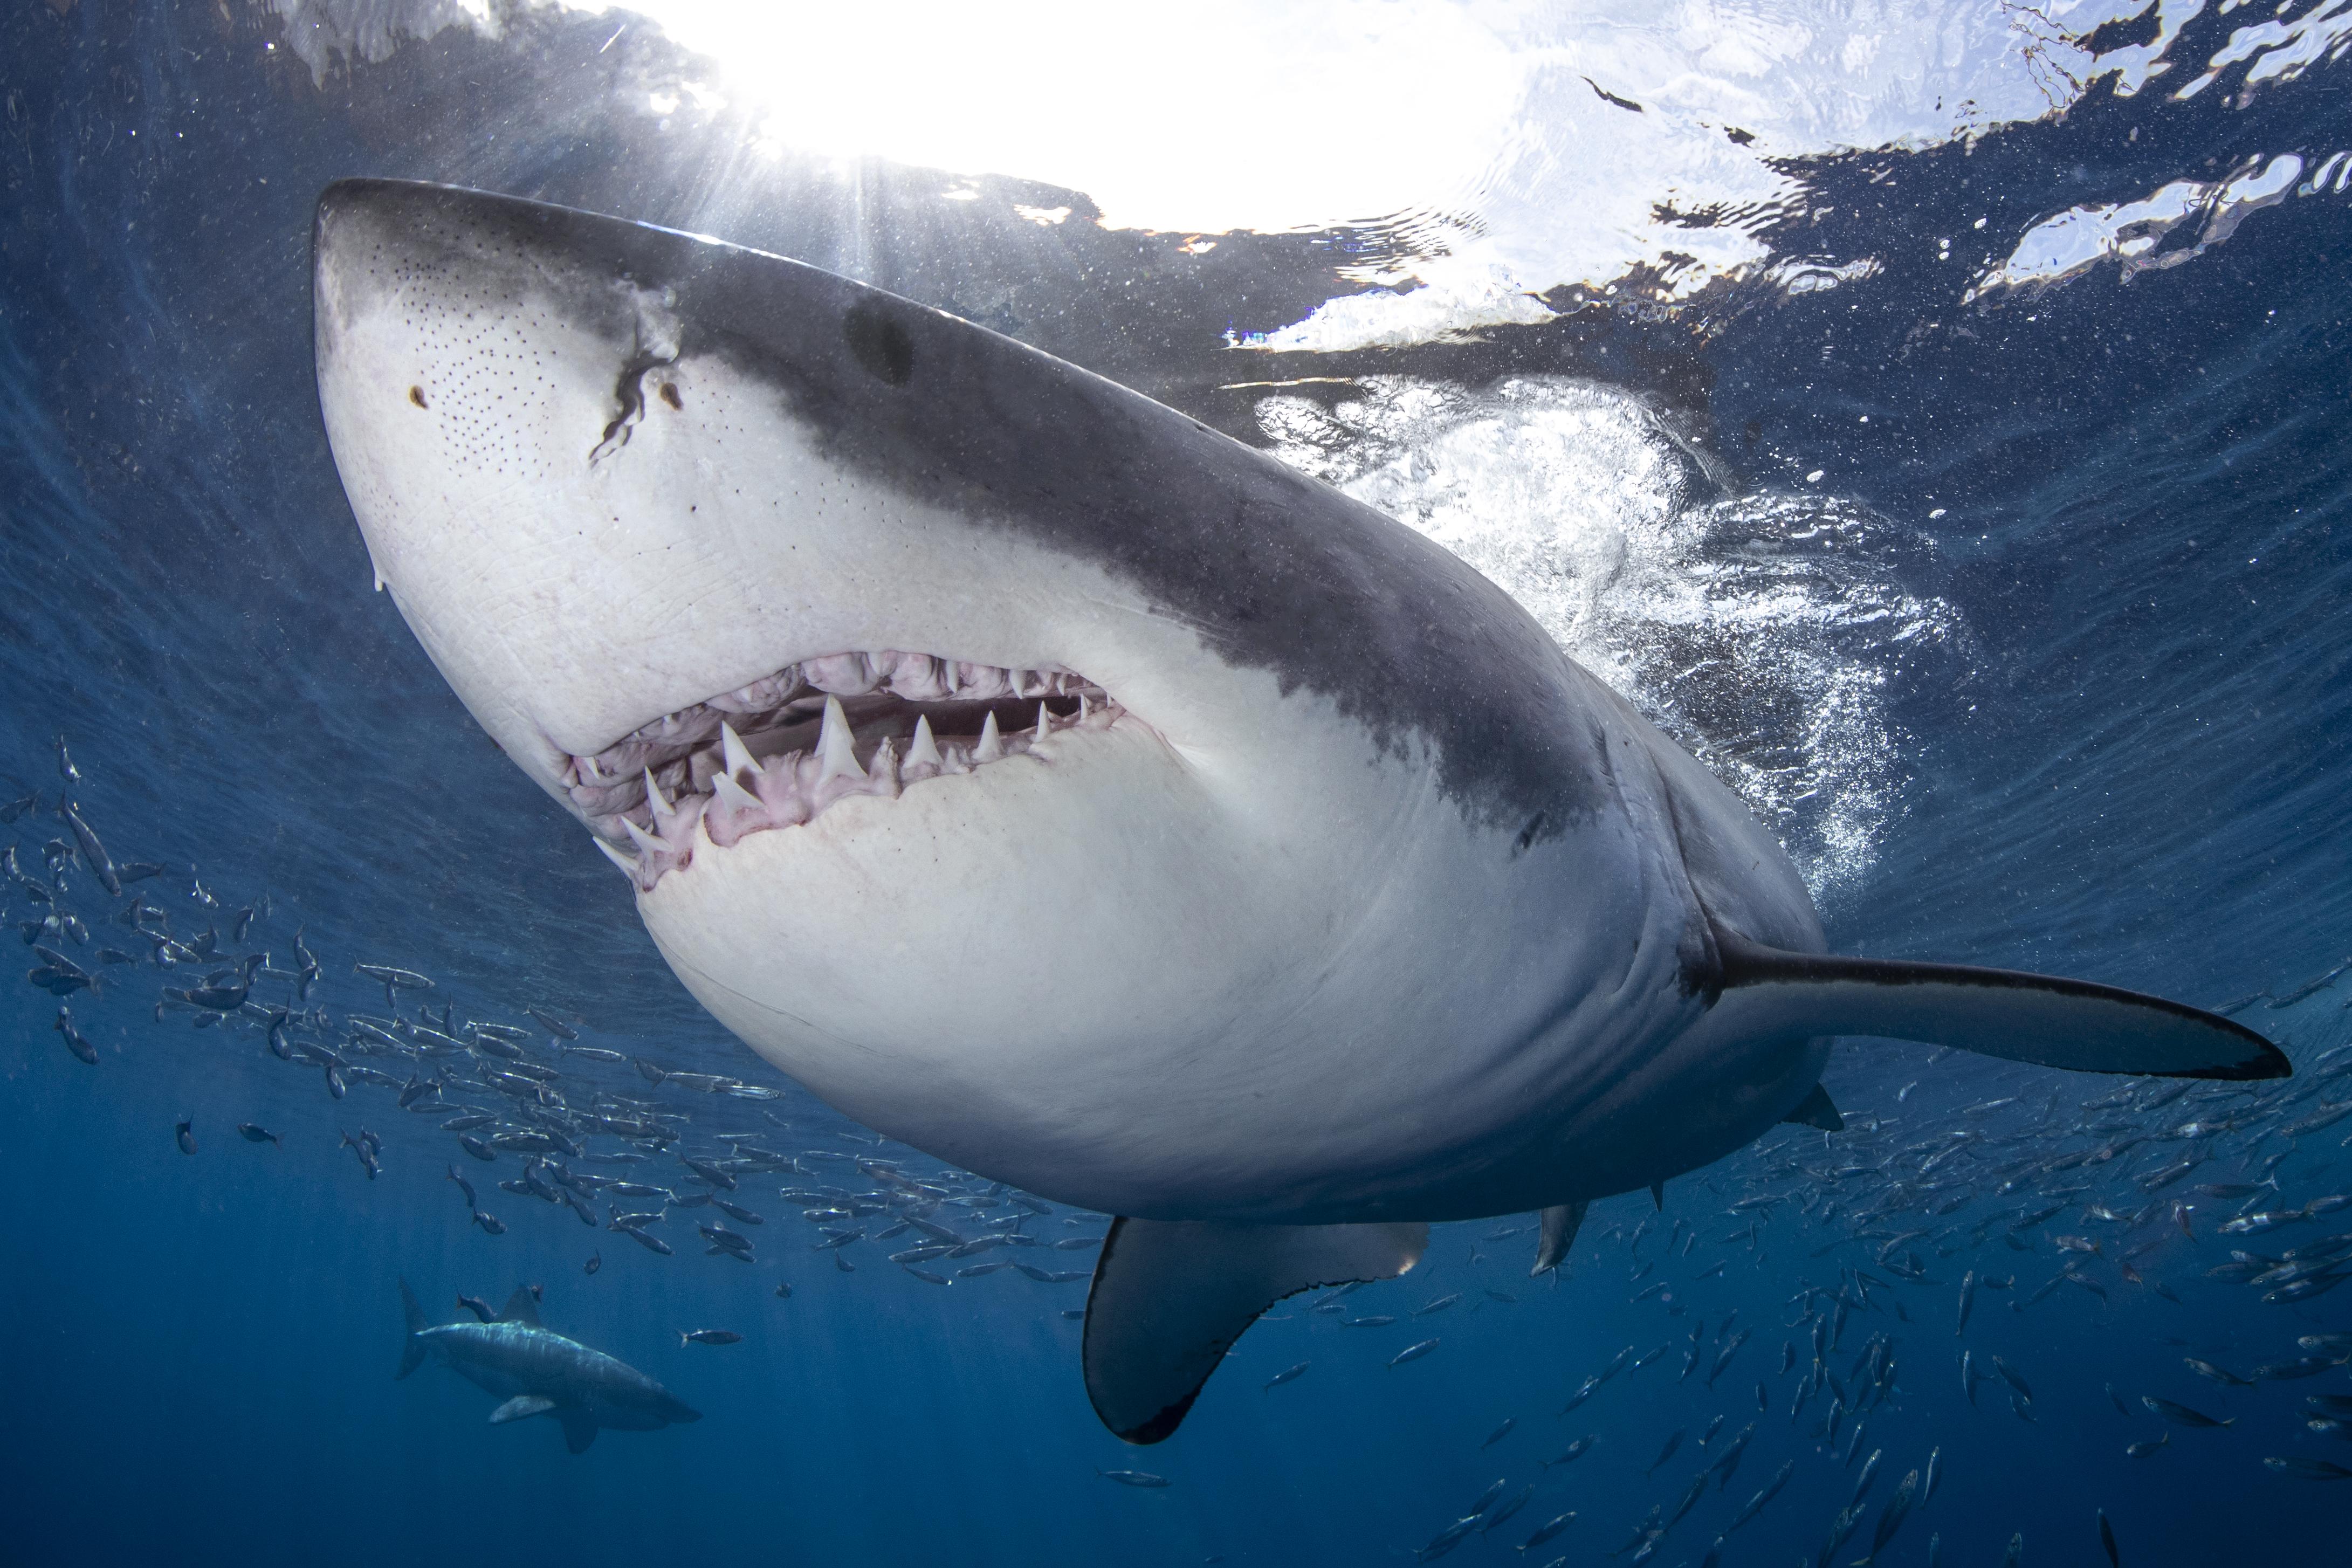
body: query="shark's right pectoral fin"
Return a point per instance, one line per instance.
(521, 1407)
(2038, 1018)
(578, 1431)
(1170, 1296)
(1558, 1234)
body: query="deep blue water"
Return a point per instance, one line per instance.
(2128, 764)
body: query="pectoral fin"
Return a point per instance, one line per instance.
(578, 1431)
(1815, 1111)
(521, 1407)
(1560, 1226)
(2039, 1018)
(1169, 1297)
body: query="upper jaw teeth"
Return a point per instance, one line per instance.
(694, 775)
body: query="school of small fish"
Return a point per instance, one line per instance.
(1904, 1230)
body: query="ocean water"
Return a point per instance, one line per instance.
(1970, 496)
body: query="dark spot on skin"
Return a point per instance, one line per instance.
(1529, 835)
(416, 395)
(881, 344)
(669, 395)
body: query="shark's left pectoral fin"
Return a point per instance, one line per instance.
(2037, 1018)
(521, 1407)
(578, 1431)
(1170, 1296)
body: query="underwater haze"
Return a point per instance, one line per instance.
(1942, 427)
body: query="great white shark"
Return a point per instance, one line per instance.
(1075, 794)
(535, 1371)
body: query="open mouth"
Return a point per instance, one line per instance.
(777, 752)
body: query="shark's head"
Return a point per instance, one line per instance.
(1037, 775)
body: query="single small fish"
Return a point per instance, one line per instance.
(492, 1224)
(2143, 1449)
(75, 1040)
(784, 1293)
(1437, 1306)
(2302, 1367)
(1287, 1375)
(1133, 1477)
(709, 1336)
(562, 1030)
(254, 1132)
(1546, 1531)
(1412, 1352)
(2107, 1540)
(2206, 1369)
(1499, 1433)
(1376, 1321)
(184, 1133)
(1576, 1451)
(2180, 1414)
(2310, 1469)
(481, 1309)
(595, 1261)
(1502, 1515)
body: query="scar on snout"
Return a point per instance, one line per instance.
(416, 395)
(669, 395)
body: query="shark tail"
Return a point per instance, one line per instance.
(411, 1347)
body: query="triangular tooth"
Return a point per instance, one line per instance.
(1045, 722)
(733, 753)
(589, 771)
(1082, 707)
(732, 795)
(922, 748)
(991, 745)
(884, 769)
(645, 842)
(658, 801)
(626, 863)
(834, 746)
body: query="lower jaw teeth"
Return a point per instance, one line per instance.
(723, 795)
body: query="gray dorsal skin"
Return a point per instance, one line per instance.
(1557, 1235)
(1816, 1110)
(1349, 901)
